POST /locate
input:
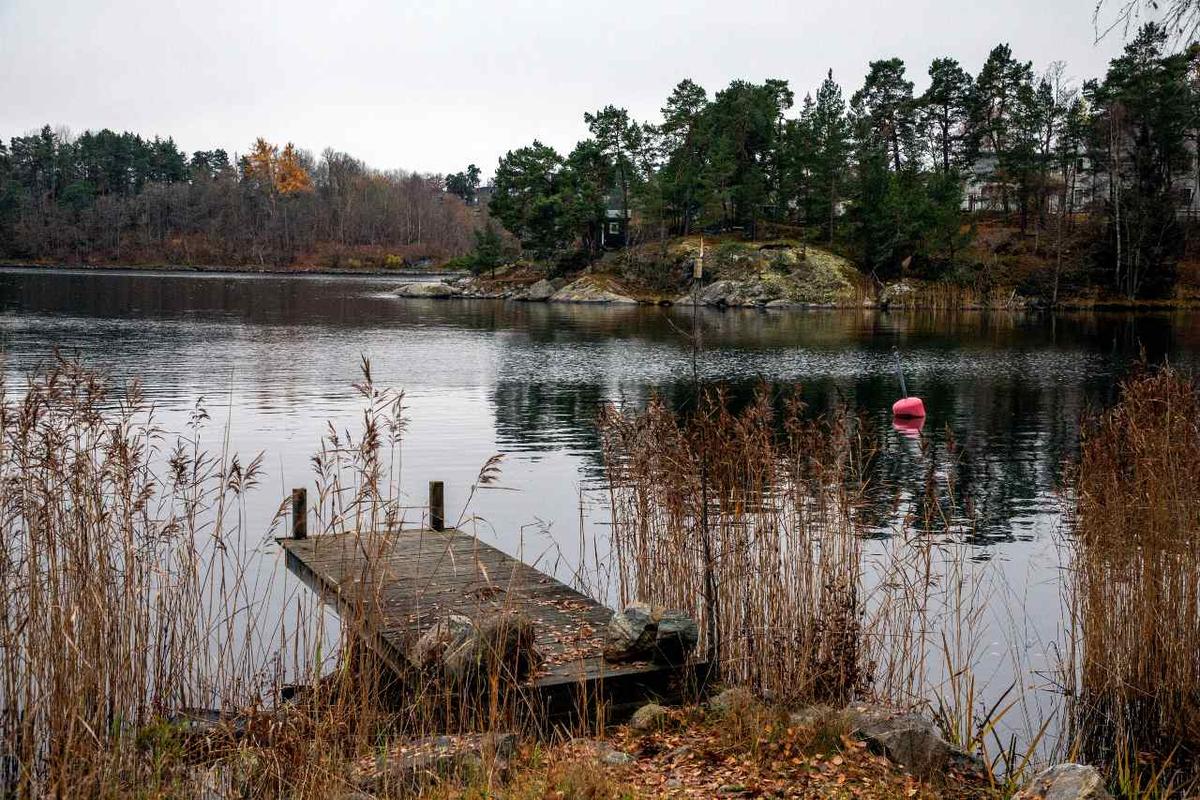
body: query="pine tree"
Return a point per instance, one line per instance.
(831, 148)
(887, 111)
(945, 114)
(683, 187)
(995, 103)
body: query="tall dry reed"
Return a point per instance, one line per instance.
(1135, 588)
(122, 577)
(149, 642)
(745, 520)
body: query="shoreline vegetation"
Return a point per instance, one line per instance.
(1009, 187)
(144, 649)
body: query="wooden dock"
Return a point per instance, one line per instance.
(396, 585)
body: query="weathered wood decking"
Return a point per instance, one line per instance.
(396, 585)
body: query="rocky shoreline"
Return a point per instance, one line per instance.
(593, 289)
(907, 739)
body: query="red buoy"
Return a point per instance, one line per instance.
(909, 408)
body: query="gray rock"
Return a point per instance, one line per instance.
(677, 636)
(585, 290)
(810, 716)
(540, 292)
(897, 293)
(428, 289)
(448, 634)
(732, 700)
(502, 643)
(422, 760)
(630, 634)
(650, 717)
(910, 740)
(718, 293)
(1065, 782)
(615, 758)
(641, 633)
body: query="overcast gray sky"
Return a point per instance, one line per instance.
(433, 85)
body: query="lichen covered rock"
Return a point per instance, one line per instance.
(642, 633)
(650, 717)
(1065, 782)
(539, 292)
(630, 633)
(910, 740)
(428, 289)
(590, 290)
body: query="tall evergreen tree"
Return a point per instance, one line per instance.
(526, 197)
(945, 114)
(1147, 107)
(995, 104)
(741, 126)
(887, 111)
(682, 176)
(830, 151)
(617, 134)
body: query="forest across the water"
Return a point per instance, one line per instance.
(1010, 176)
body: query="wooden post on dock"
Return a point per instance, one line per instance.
(437, 506)
(300, 513)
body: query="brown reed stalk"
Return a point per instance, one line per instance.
(1135, 588)
(147, 637)
(785, 551)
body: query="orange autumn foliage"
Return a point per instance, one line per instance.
(290, 175)
(283, 172)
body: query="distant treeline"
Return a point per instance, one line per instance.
(887, 175)
(118, 197)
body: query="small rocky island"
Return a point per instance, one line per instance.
(773, 275)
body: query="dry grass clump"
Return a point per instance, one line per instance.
(744, 520)
(1135, 590)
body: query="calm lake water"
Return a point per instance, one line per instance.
(274, 358)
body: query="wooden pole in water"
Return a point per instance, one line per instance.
(300, 513)
(437, 506)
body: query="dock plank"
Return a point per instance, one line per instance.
(412, 578)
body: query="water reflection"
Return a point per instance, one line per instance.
(1004, 391)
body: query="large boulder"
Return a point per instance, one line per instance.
(589, 290)
(739, 293)
(446, 635)
(901, 293)
(732, 700)
(428, 289)
(648, 718)
(539, 292)
(641, 633)
(503, 643)
(910, 740)
(677, 636)
(630, 634)
(719, 293)
(1065, 782)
